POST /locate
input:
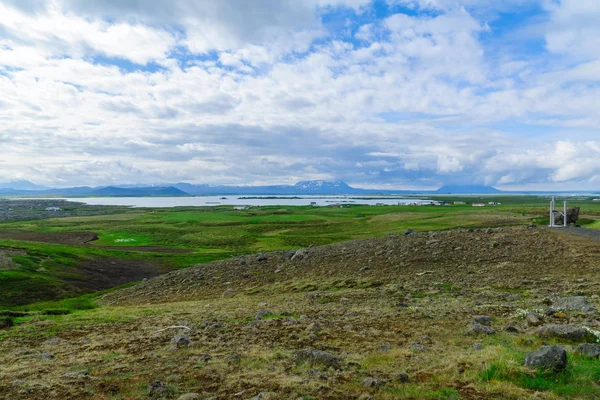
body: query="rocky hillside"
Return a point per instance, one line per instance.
(484, 314)
(511, 258)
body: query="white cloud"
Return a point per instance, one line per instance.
(415, 100)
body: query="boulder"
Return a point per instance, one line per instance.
(476, 328)
(573, 303)
(566, 332)
(181, 340)
(483, 320)
(318, 357)
(369, 382)
(533, 319)
(548, 358)
(589, 350)
(157, 387)
(299, 254)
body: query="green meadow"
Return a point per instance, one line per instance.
(49, 271)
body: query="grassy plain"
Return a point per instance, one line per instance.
(377, 320)
(52, 271)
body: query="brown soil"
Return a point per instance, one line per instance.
(79, 238)
(105, 273)
(49, 237)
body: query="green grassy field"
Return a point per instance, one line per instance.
(212, 233)
(410, 294)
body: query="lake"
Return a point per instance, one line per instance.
(239, 200)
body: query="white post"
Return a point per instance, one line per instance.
(552, 212)
(565, 214)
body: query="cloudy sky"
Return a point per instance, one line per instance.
(385, 93)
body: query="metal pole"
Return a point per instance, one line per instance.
(565, 214)
(552, 212)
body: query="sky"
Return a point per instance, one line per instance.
(386, 93)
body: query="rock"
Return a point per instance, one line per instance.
(181, 340)
(76, 375)
(289, 254)
(234, 359)
(483, 320)
(365, 396)
(385, 348)
(589, 350)
(418, 347)
(262, 314)
(511, 329)
(6, 322)
(318, 374)
(409, 232)
(567, 332)
(547, 357)
(205, 357)
(402, 378)
(189, 396)
(228, 293)
(261, 396)
(318, 357)
(157, 387)
(261, 257)
(299, 254)
(573, 303)
(476, 329)
(369, 382)
(313, 327)
(533, 319)
(477, 346)
(46, 355)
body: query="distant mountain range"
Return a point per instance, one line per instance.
(26, 188)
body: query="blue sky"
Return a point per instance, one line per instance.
(385, 93)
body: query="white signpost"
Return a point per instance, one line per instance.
(553, 213)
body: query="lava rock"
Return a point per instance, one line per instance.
(533, 319)
(573, 303)
(476, 328)
(318, 357)
(157, 387)
(483, 320)
(567, 332)
(181, 340)
(547, 357)
(589, 350)
(369, 382)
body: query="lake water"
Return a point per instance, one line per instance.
(240, 201)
